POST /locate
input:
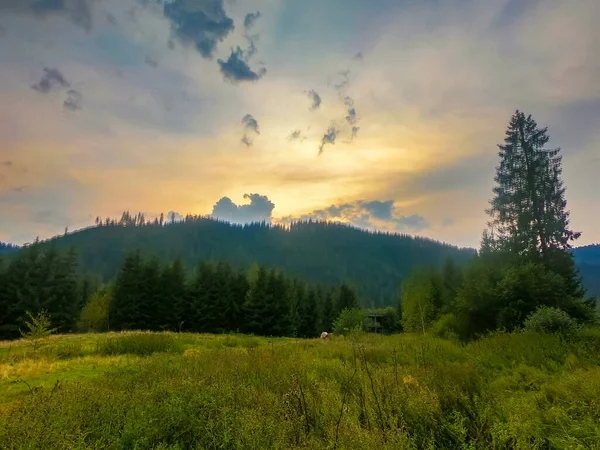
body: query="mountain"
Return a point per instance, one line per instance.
(319, 252)
(6, 248)
(588, 262)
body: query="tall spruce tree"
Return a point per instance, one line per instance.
(127, 294)
(528, 211)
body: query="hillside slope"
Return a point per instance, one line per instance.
(327, 253)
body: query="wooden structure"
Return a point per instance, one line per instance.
(374, 324)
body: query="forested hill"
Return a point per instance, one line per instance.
(588, 262)
(7, 248)
(320, 252)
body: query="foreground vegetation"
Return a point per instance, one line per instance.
(176, 391)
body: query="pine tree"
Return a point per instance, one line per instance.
(256, 308)
(528, 212)
(347, 299)
(173, 295)
(127, 294)
(528, 209)
(308, 310)
(61, 298)
(205, 298)
(153, 312)
(239, 291)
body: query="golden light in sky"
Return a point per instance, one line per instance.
(141, 109)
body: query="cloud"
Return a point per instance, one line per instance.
(378, 209)
(236, 68)
(351, 118)
(353, 132)
(316, 99)
(6, 163)
(371, 215)
(250, 125)
(250, 19)
(358, 57)
(328, 138)
(201, 23)
(111, 19)
(151, 62)
(296, 135)
(51, 80)
(173, 216)
(73, 101)
(345, 80)
(79, 12)
(259, 209)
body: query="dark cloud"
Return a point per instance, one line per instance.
(353, 132)
(110, 18)
(250, 19)
(151, 62)
(378, 209)
(236, 68)
(250, 125)
(296, 135)
(51, 80)
(246, 140)
(328, 138)
(73, 101)
(78, 12)
(259, 209)
(371, 215)
(345, 74)
(414, 222)
(202, 23)
(351, 118)
(316, 99)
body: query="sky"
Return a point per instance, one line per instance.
(384, 114)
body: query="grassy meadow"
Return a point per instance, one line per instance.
(179, 391)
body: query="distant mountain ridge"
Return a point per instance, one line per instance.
(320, 252)
(7, 248)
(587, 259)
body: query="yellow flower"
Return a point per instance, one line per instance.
(409, 379)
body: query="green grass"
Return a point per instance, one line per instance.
(179, 391)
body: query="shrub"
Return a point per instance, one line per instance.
(547, 319)
(350, 320)
(448, 326)
(142, 344)
(38, 328)
(94, 315)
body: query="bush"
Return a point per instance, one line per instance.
(547, 319)
(350, 320)
(94, 315)
(448, 326)
(142, 344)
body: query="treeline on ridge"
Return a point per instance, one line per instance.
(319, 252)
